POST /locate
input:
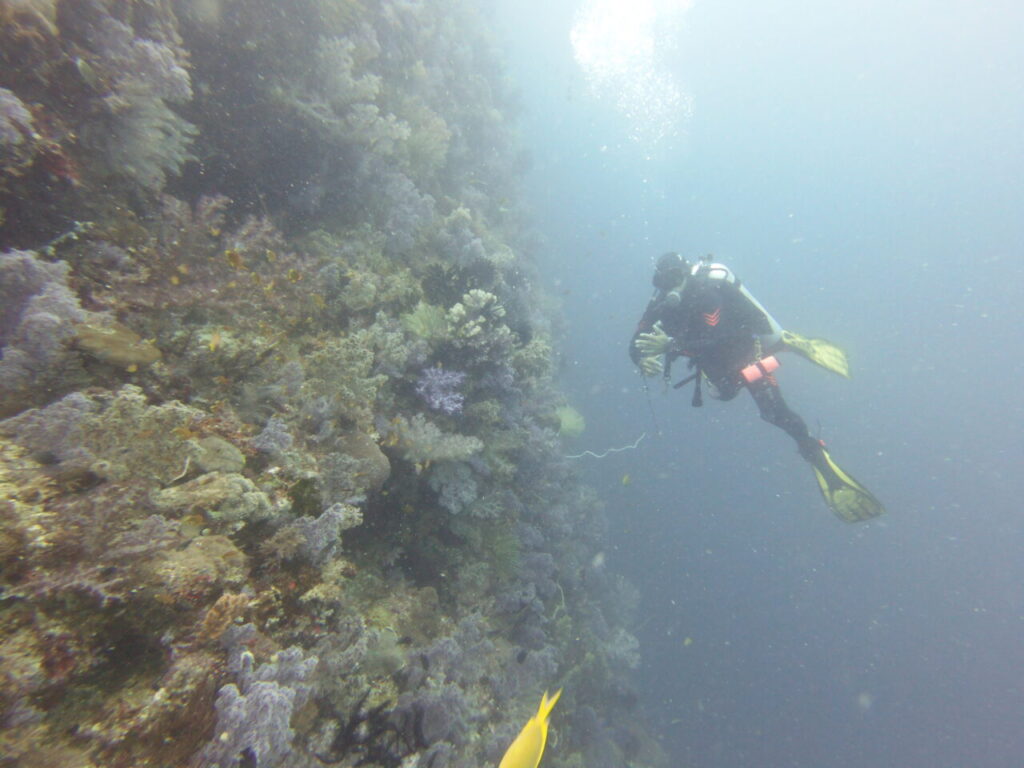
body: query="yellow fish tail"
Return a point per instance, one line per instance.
(528, 747)
(546, 705)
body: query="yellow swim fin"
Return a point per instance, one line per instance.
(848, 499)
(818, 351)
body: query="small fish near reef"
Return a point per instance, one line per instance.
(528, 747)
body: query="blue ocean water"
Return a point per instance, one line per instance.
(859, 166)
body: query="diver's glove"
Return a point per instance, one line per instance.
(653, 344)
(651, 365)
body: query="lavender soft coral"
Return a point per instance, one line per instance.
(275, 438)
(37, 316)
(254, 716)
(440, 389)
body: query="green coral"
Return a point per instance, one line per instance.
(570, 421)
(533, 360)
(223, 497)
(342, 372)
(427, 322)
(476, 325)
(427, 145)
(360, 293)
(420, 440)
(130, 439)
(486, 414)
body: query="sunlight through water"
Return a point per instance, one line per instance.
(621, 46)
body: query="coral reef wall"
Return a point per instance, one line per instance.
(280, 475)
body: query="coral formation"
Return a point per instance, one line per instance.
(570, 421)
(38, 316)
(280, 473)
(440, 389)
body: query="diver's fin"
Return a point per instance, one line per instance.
(847, 498)
(818, 351)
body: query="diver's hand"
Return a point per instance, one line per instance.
(651, 365)
(657, 342)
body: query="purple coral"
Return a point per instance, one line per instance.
(275, 438)
(37, 314)
(256, 722)
(254, 716)
(55, 429)
(439, 389)
(321, 533)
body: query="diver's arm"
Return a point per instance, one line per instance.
(651, 315)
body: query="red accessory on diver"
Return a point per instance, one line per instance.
(762, 367)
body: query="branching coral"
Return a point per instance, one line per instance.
(344, 371)
(140, 135)
(368, 735)
(456, 485)
(420, 440)
(427, 322)
(476, 328)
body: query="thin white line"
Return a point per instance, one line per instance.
(610, 450)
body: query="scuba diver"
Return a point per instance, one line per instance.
(704, 313)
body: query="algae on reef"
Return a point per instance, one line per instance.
(280, 478)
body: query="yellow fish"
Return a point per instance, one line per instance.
(626, 479)
(526, 750)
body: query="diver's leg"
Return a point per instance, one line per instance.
(774, 410)
(847, 498)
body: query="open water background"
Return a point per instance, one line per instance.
(860, 167)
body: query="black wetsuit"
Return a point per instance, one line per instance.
(721, 328)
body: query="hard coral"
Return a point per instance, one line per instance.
(117, 436)
(116, 345)
(223, 497)
(192, 576)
